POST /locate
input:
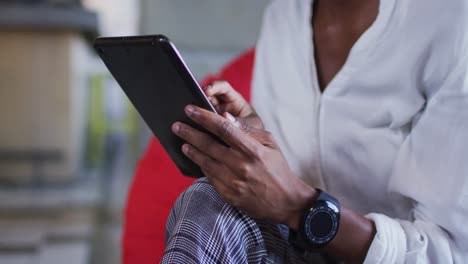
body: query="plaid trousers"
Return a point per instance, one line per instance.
(202, 228)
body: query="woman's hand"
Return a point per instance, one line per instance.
(252, 173)
(227, 100)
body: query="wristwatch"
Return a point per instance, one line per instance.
(319, 224)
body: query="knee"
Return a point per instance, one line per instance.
(200, 194)
(200, 203)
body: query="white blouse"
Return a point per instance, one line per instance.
(389, 135)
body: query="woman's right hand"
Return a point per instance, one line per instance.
(227, 100)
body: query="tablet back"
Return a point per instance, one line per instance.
(158, 83)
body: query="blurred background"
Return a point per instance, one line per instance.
(69, 139)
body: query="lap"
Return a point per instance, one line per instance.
(202, 228)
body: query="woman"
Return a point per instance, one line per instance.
(365, 100)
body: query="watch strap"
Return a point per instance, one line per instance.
(323, 196)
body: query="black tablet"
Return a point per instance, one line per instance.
(155, 78)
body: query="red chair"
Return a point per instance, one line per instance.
(157, 182)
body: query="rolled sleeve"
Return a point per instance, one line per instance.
(389, 244)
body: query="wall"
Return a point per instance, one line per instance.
(208, 32)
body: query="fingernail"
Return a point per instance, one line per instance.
(175, 128)
(190, 110)
(230, 117)
(185, 148)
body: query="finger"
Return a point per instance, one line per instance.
(214, 101)
(224, 190)
(202, 141)
(224, 129)
(206, 163)
(231, 100)
(263, 137)
(218, 88)
(224, 92)
(213, 170)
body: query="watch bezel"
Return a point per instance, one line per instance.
(321, 207)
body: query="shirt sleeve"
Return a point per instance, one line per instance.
(431, 168)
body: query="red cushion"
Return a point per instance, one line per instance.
(157, 182)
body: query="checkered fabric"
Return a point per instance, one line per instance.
(202, 228)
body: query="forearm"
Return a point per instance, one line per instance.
(353, 239)
(355, 232)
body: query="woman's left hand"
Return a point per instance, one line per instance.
(251, 174)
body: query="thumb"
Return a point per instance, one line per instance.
(263, 137)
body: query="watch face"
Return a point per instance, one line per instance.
(321, 225)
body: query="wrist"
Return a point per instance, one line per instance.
(305, 195)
